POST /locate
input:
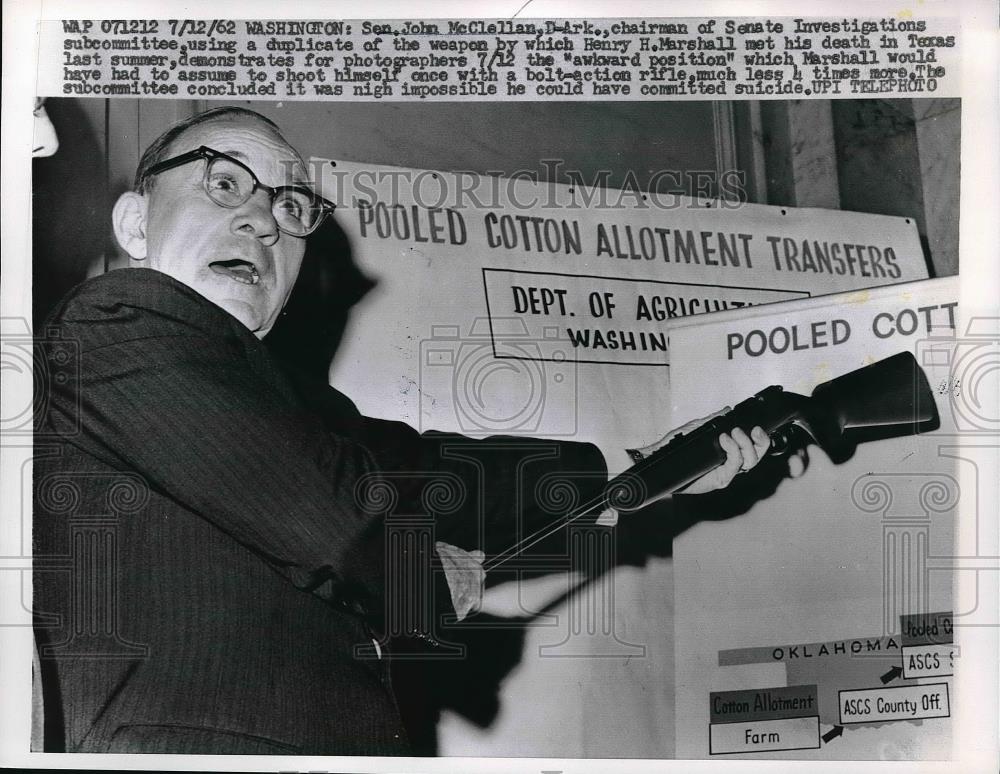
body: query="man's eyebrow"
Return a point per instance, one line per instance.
(296, 179)
(237, 154)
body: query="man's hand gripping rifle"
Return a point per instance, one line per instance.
(885, 399)
(889, 398)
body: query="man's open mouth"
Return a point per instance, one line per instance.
(241, 271)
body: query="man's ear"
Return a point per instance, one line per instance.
(129, 220)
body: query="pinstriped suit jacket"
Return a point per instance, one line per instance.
(202, 561)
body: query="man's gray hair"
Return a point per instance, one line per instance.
(159, 149)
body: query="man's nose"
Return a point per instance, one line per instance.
(254, 218)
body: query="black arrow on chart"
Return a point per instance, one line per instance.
(891, 675)
(833, 733)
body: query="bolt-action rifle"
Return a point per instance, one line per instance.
(885, 399)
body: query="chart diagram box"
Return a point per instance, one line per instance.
(764, 736)
(763, 704)
(927, 628)
(908, 702)
(929, 661)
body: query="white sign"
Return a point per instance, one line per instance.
(819, 581)
(605, 267)
(549, 277)
(905, 703)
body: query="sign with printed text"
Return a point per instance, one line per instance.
(823, 580)
(929, 661)
(606, 268)
(764, 736)
(910, 702)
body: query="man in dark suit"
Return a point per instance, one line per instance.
(206, 564)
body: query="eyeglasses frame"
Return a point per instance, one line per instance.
(210, 154)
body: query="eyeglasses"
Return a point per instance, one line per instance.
(230, 183)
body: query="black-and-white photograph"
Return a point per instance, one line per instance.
(520, 388)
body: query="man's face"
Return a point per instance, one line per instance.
(196, 241)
